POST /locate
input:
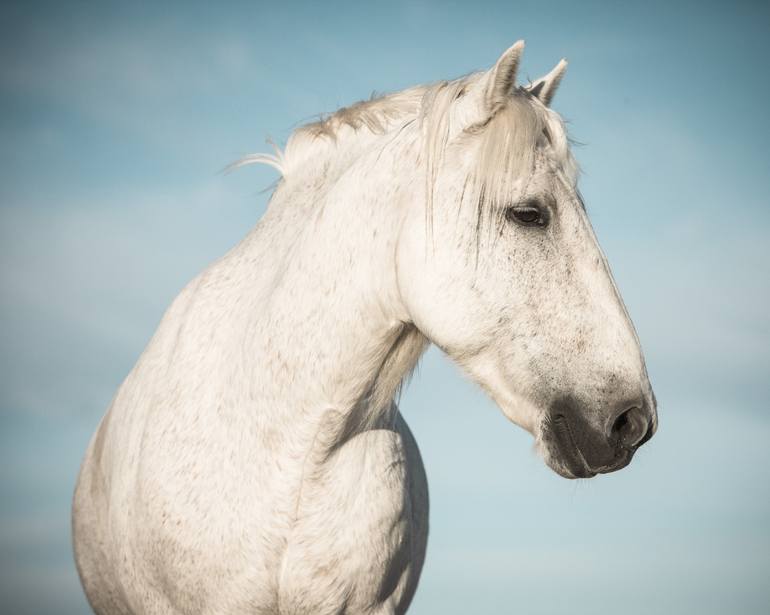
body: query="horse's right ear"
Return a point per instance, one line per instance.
(501, 78)
(545, 87)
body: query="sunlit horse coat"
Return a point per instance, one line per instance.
(254, 460)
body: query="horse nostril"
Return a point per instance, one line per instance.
(631, 427)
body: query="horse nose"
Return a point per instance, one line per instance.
(631, 428)
(585, 450)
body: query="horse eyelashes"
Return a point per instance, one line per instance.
(527, 214)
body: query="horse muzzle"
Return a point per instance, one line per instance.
(578, 450)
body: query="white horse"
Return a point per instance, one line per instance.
(254, 460)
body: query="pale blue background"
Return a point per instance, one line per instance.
(115, 119)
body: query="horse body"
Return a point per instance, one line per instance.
(319, 478)
(254, 461)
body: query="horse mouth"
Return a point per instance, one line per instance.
(571, 458)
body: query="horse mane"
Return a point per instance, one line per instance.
(517, 128)
(326, 137)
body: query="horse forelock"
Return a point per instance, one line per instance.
(509, 144)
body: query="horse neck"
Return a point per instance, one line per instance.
(335, 340)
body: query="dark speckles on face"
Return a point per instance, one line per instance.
(539, 295)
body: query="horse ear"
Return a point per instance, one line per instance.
(502, 77)
(545, 87)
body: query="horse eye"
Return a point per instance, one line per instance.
(528, 214)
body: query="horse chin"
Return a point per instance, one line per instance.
(562, 455)
(570, 471)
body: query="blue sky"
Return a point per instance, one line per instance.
(116, 119)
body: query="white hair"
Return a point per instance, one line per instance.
(510, 136)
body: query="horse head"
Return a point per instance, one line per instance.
(507, 276)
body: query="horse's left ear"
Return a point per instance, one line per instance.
(545, 87)
(501, 79)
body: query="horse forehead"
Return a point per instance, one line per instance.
(524, 140)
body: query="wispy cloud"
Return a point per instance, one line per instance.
(85, 283)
